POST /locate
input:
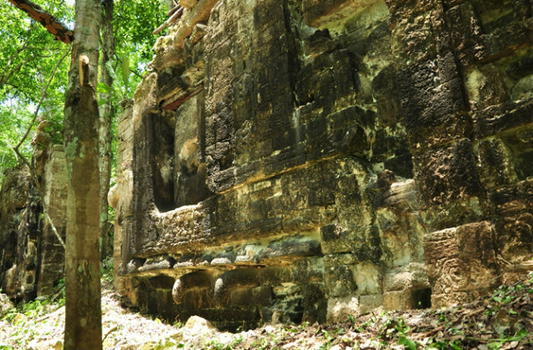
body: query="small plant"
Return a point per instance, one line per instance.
(236, 341)
(216, 345)
(36, 307)
(406, 342)
(106, 268)
(178, 324)
(445, 345)
(351, 319)
(168, 344)
(498, 343)
(443, 318)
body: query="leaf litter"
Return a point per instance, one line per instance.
(502, 320)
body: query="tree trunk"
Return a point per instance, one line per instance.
(83, 329)
(107, 112)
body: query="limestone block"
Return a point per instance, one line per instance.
(198, 11)
(339, 308)
(514, 205)
(397, 236)
(402, 195)
(410, 299)
(503, 38)
(413, 275)
(55, 201)
(367, 278)
(145, 98)
(523, 89)
(407, 287)
(368, 303)
(338, 278)
(419, 32)
(188, 3)
(445, 174)
(461, 259)
(9, 284)
(335, 239)
(452, 298)
(503, 118)
(397, 300)
(485, 87)
(465, 33)
(167, 55)
(260, 296)
(113, 197)
(496, 166)
(320, 13)
(433, 101)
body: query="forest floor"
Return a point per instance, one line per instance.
(503, 320)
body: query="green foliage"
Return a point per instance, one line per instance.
(506, 294)
(397, 328)
(26, 316)
(446, 345)
(406, 342)
(106, 268)
(215, 345)
(134, 21)
(29, 54)
(168, 344)
(498, 343)
(39, 306)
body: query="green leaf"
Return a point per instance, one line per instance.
(125, 69)
(102, 88)
(407, 343)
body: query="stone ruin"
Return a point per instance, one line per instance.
(32, 217)
(296, 161)
(302, 160)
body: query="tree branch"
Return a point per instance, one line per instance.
(173, 18)
(6, 76)
(49, 219)
(43, 96)
(56, 28)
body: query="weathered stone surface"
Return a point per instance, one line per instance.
(31, 255)
(461, 260)
(12, 206)
(54, 201)
(323, 157)
(407, 287)
(5, 304)
(514, 220)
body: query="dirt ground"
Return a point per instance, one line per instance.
(503, 320)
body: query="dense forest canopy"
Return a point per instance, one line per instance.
(34, 67)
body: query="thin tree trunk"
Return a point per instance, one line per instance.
(106, 119)
(83, 326)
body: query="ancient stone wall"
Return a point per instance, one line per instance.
(296, 161)
(31, 255)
